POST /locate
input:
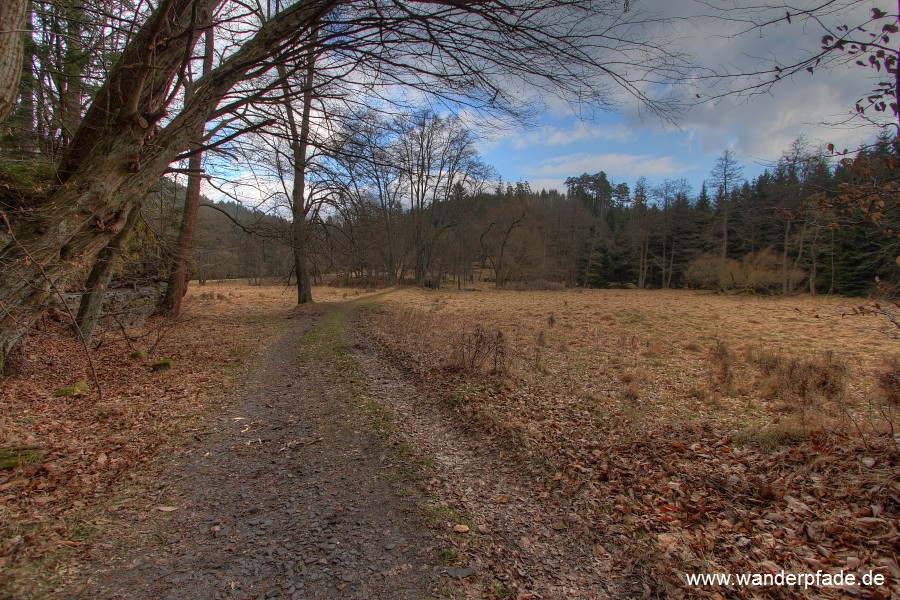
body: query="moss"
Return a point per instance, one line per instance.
(163, 364)
(12, 457)
(140, 354)
(26, 175)
(72, 390)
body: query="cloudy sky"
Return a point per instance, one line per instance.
(758, 129)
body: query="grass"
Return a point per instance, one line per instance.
(13, 457)
(163, 364)
(72, 390)
(440, 515)
(644, 402)
(667, 351)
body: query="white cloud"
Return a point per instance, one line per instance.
(550, 135)
(761, 127)
(617, 165)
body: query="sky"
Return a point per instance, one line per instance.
(758, 129)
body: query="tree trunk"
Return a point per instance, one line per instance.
(798, 260)
(813, 269)
(178, 273)
(663, 265)
(300, 206)
(671, 264)
(22, 120)
(100, 276)
(70, 79)
(724, 231)
(785, 278)
(12, 50)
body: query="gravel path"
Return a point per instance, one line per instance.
(300, 498)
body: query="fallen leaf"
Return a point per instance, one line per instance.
(166, 508)
(461, 528)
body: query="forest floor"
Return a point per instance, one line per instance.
(471, 444)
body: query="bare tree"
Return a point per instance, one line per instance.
(178, 272)
(434, 154)
(855, 34)
(724, 178)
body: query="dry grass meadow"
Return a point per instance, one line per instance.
(690, 432)
(671, 357)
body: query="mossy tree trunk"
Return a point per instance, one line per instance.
(112, 162)
(101, 274)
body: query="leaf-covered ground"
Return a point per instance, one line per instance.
(694, 433)
(89, 452)
(628, 437)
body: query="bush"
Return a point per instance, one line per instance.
(804, 378)
(535, 285)
(476, 347)
(756, 272)
(889, 383)
(140, 354)
(163, 364)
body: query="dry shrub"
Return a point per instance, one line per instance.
(703, 271)
(807, 379)
(474, 349)
(698, 393)
(889, 383)
(651, 350)
(773, 436)
(756, 271)
(631, 392)
(723, 358)
(536, 285)
(766, 361)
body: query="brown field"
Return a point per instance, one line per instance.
(667, 356)
(689, 432)
(693, 432)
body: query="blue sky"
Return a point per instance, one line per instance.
(756, 129)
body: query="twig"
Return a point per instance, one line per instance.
(62, 298)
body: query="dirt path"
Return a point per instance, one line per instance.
(299, 498)
(333, 476)
(524, 537)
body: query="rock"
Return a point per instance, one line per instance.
(460, 573)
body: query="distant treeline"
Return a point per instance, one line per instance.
(808, 224)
